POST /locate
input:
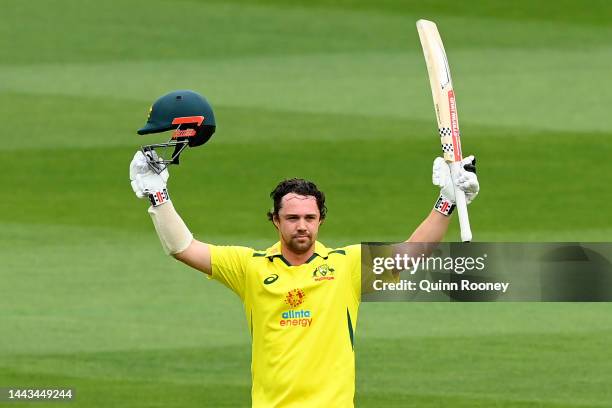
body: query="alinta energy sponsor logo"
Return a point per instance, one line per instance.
(295, 318)
(295, 297)
(323, 272)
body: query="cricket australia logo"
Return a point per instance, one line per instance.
(295, 297)
(323, 272)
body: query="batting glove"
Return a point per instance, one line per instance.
(467, 182)
(146, 183)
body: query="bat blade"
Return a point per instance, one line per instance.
(445, 106)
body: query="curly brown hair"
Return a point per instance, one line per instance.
(297, 186)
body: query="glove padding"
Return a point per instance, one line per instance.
(467, 180)
(144, 180)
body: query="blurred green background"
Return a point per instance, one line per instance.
(334, 91)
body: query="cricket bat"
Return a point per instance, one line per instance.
(446, 112)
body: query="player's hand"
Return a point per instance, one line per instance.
(146, 183)
(467, 180)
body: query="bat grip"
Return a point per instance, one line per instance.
(464, 220)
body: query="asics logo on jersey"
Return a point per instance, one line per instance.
(270, 279)
(323, 272)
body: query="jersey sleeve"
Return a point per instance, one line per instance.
(353, 253)
(229, 265)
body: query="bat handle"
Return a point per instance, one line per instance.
(464, 219)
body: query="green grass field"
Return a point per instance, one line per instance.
(335, 91)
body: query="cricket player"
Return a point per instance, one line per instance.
(300, 297)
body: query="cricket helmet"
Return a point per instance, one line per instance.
(187, 113)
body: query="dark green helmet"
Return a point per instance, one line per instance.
(177, 104)
(191, 117)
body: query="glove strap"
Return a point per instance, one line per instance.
(159, 197)
(444, 206)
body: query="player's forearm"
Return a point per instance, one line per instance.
(174, 235)
(432, 229)
(177, 240)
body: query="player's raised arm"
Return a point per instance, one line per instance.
(175, 237)
(433, 228)
(192, 120)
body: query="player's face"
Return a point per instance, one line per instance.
(298, 222)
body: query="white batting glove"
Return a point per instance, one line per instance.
(467, 182)
(146, 183)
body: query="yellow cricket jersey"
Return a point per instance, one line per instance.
(302, 321)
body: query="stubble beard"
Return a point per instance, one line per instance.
(299, 245)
